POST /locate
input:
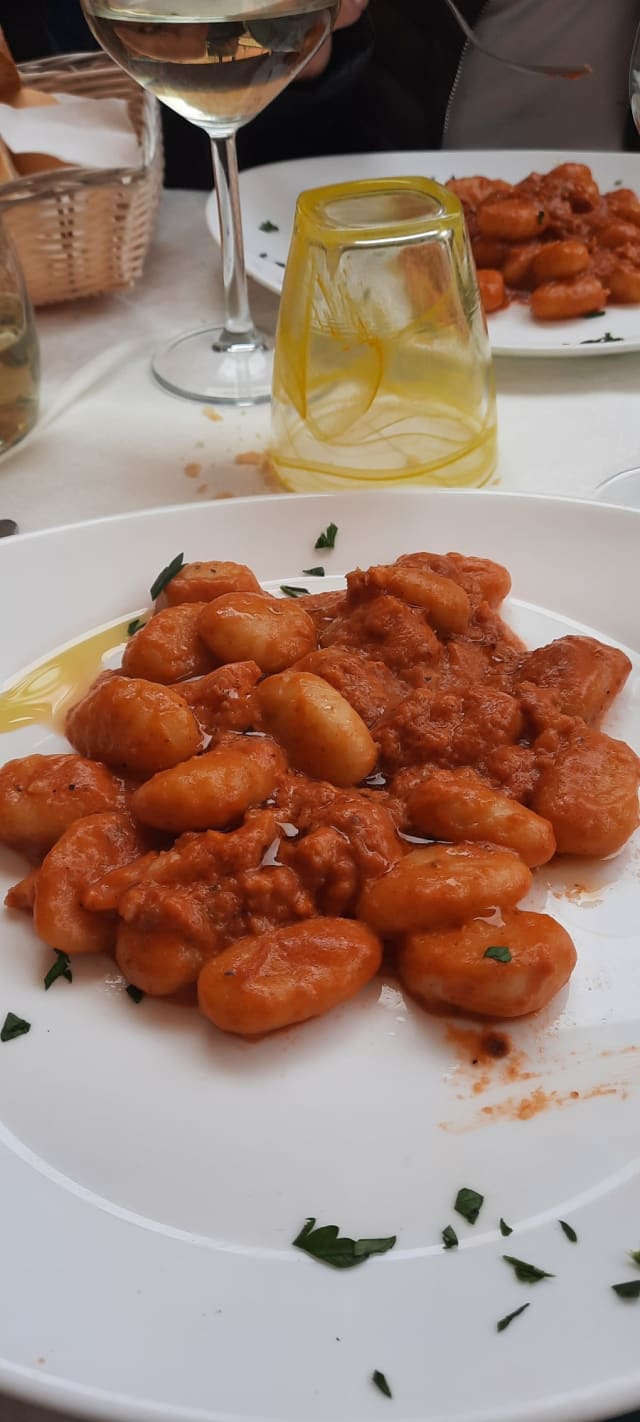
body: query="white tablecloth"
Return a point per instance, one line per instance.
(109, 440)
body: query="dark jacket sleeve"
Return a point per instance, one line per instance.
(37, 28)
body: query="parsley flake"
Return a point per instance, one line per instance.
(61, 968)
(590, 315)
(509, 1317)
(313, 572)
(330, 1247)
(569, 1231)
(327, 539)
(635, 1255)
(268, 226)
(527, 1273)
(135, 993)
(135, 626)
(629, 1290)
(606, 340)
(289, 591)
(468, 1204)
(499, 952)
(540, 217)
(449, 1238)
(381, 1382)
(505, 1229)
(165, 576)
(13, 1027)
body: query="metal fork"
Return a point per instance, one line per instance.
(552, 71)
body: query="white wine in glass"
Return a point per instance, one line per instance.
(218, 63)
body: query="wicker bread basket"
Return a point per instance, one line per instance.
(81, 231)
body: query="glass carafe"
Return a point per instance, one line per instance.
(19, 350)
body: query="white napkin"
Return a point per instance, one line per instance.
(88, 133)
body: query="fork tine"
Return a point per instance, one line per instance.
(550, 71)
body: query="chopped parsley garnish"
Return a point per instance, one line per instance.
(165, 576)
(289, 591)
(135, 993)
(468, 1204)
(569, 1231)
(61, 968)
(527, 1273)
(499, 951)
(505, 1229)
(540, 216)
(381, 1382)
(313, 572)
(606, 340)
(589, 315)
(327, 538)
(629, 1290)
(449, 1238)
(13, 1027)
(330, 1247)
(509, 1317)
(135, 626)
(635, 1255)
(268, 226)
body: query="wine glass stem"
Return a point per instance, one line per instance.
(239, 329)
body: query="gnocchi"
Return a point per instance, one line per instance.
(319, 729)
(555, 237)
(441, 884)
(235, 820)
(210, 790)
(288, 975)
(242, 627)
(508, 969)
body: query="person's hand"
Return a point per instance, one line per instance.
(350, 11)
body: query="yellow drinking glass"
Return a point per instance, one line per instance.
(382, 370)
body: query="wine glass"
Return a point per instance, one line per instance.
(218, 63)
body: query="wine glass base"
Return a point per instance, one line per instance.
(204, 366)
(622, 489)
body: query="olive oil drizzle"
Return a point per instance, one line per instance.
(42, 694)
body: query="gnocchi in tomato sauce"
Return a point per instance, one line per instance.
(268, 795)
(553, 240)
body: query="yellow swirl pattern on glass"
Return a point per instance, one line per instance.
(382, 370)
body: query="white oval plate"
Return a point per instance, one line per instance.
(622, 489)
(269, 195)
(155, 1172)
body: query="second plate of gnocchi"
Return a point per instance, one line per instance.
(607, 326)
